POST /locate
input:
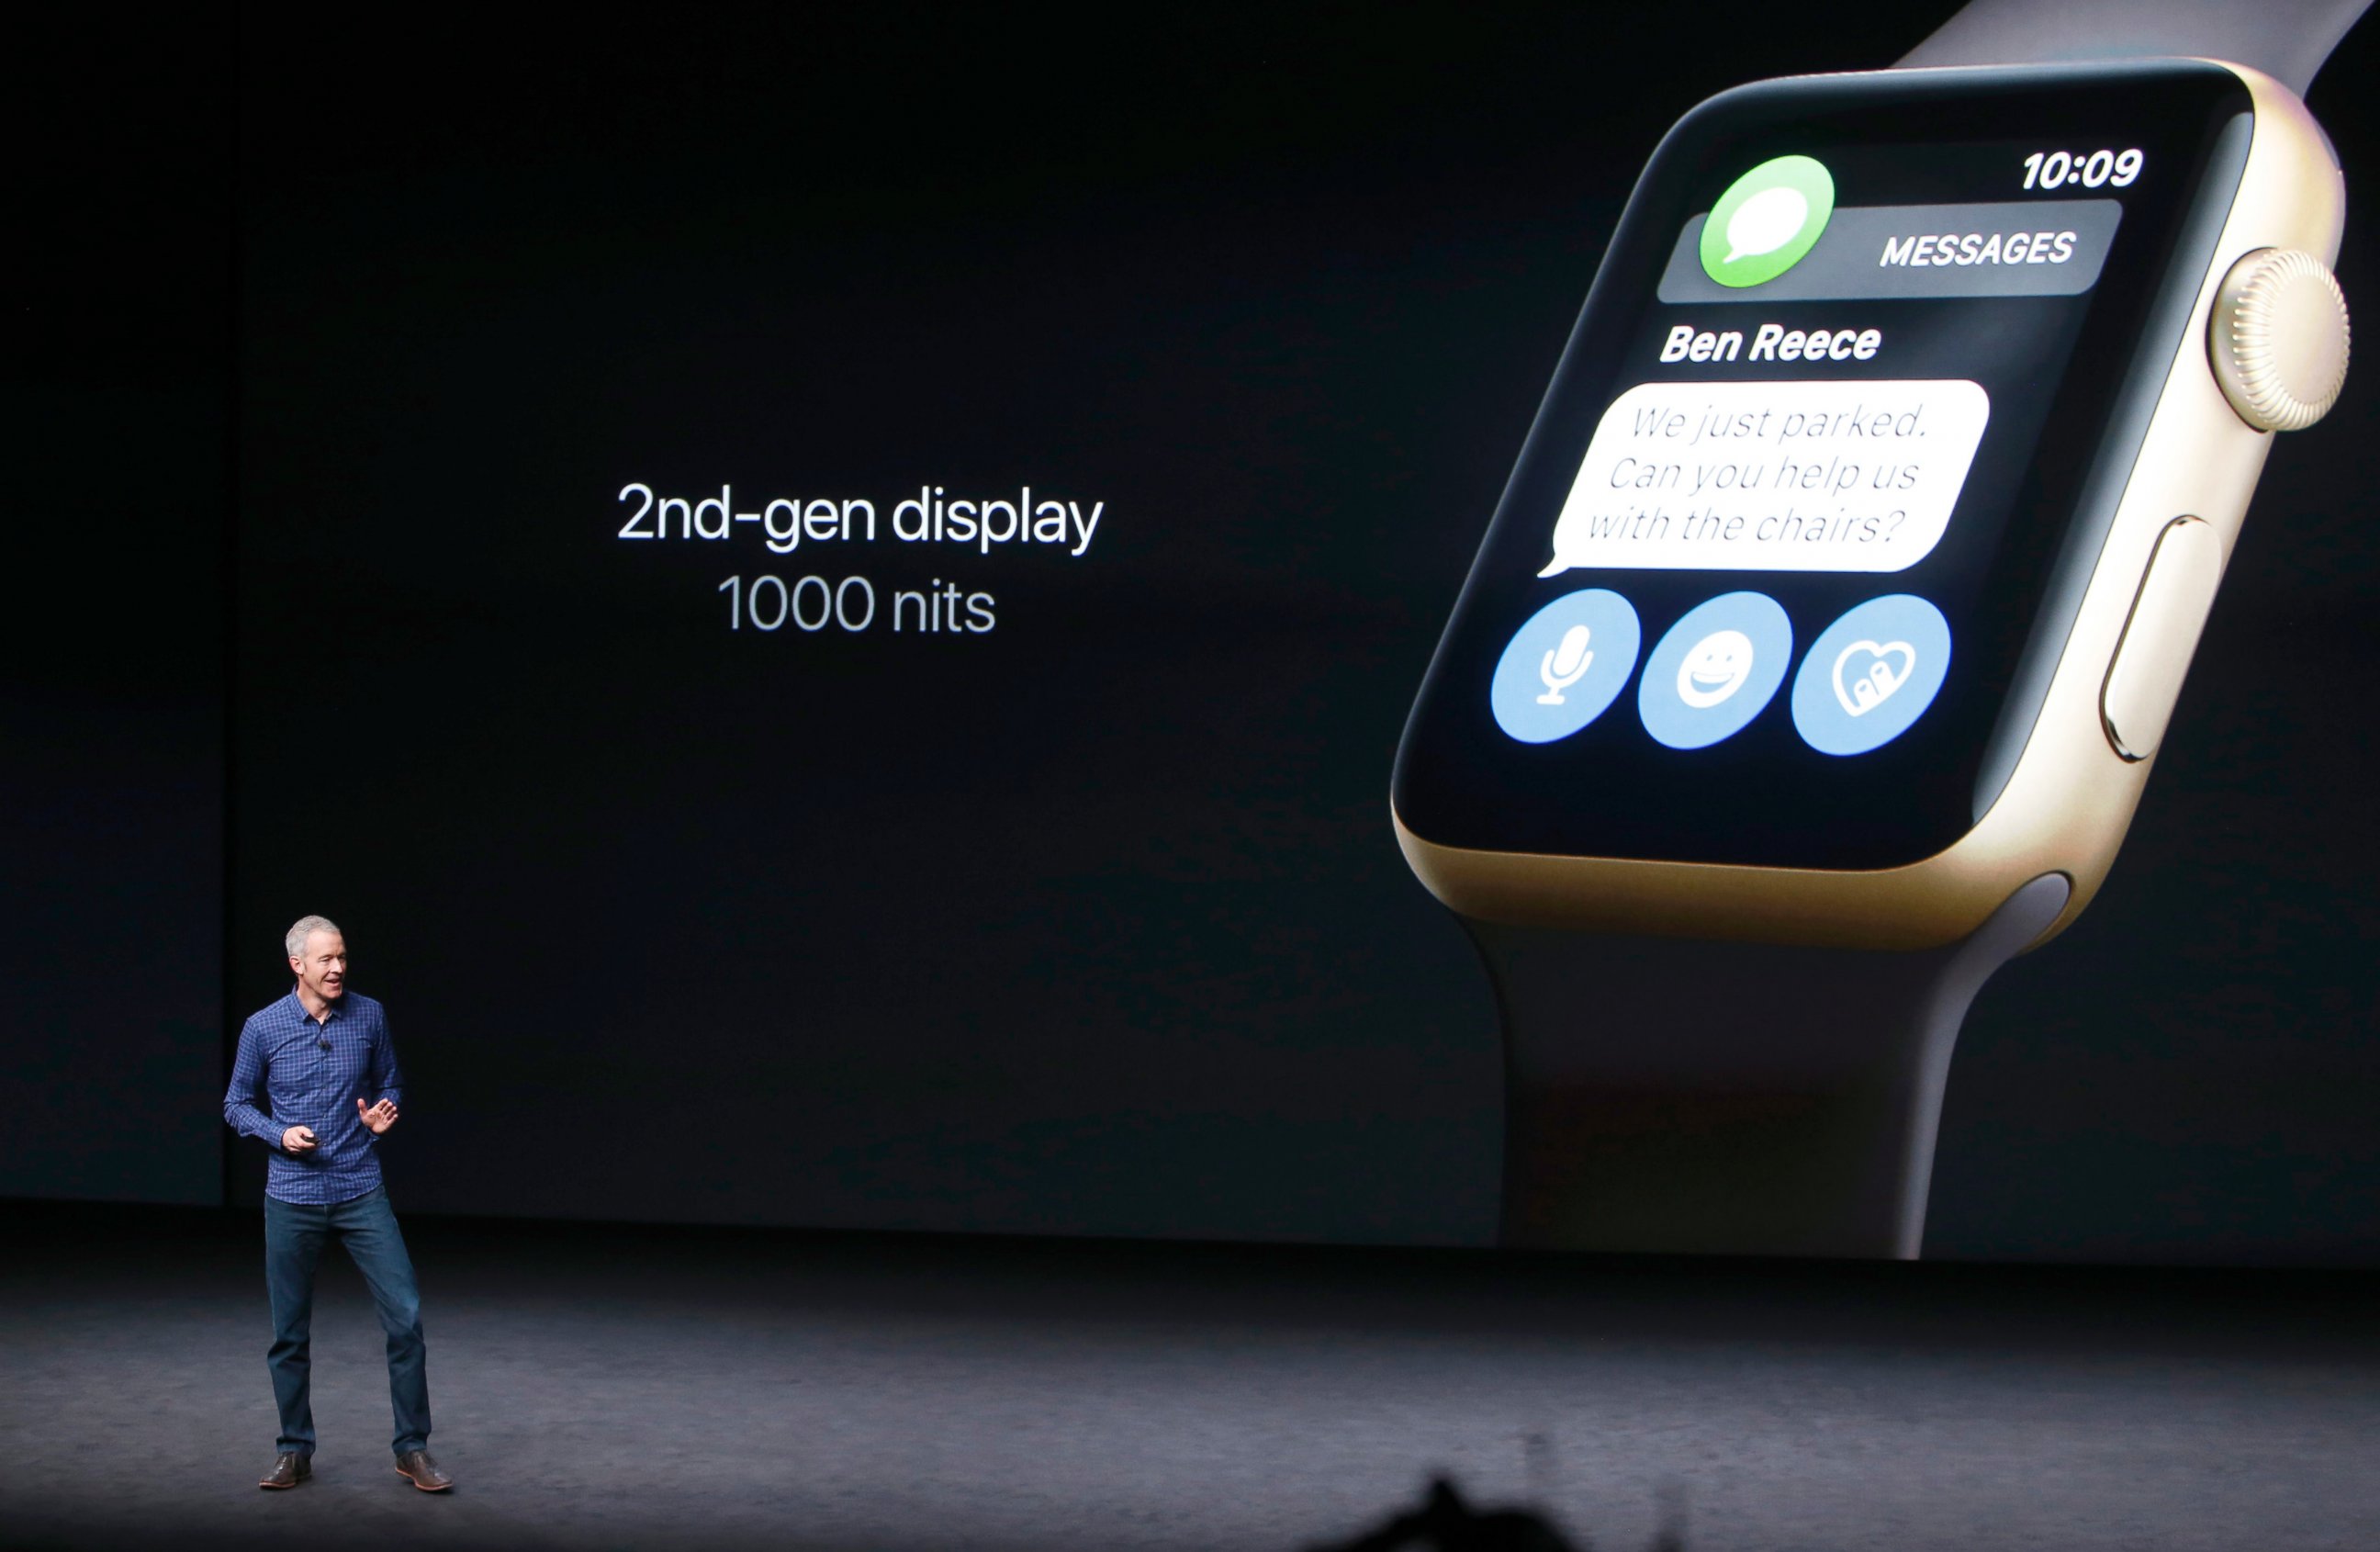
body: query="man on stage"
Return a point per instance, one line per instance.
(321, 1058)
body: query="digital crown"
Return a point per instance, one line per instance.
(2279, 339)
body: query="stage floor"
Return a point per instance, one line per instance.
(627, 1387)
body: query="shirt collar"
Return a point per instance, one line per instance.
(338, 1006)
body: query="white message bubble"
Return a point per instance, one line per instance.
(1771, 476)
(1765, 223)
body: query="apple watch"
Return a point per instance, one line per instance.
(1831, 621)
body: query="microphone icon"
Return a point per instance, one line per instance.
(1565, 665)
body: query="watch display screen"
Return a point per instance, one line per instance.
(1781, 571)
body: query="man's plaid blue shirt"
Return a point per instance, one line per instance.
(282, 1055)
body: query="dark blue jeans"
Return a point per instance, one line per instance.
(294, 1233)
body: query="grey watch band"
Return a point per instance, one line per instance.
(1685, 1096)
(2286, 39)
(1674, 1095)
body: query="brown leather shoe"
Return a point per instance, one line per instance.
(288, 1470)
(417, 1467)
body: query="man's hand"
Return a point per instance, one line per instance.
(380, 1117)
(297, 1139)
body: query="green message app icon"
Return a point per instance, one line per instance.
(1767, 221)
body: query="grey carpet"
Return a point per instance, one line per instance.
(614, 1388)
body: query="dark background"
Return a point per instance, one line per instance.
(117, 382)
(1093, 924)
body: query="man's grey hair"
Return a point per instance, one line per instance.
(295, 942)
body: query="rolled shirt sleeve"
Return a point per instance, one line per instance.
(240, 1109)
(386, 1080)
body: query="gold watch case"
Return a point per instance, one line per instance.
(2071, 796)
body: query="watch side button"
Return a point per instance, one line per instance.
(2167, 614)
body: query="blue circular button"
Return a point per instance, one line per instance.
(1565, 667)
(1715, 670)
(1871, 674)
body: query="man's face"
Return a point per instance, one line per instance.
(323, 968)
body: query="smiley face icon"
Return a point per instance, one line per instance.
(1715, 668)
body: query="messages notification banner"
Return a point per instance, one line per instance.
(1805, 476)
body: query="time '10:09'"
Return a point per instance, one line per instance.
(2055, 169)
